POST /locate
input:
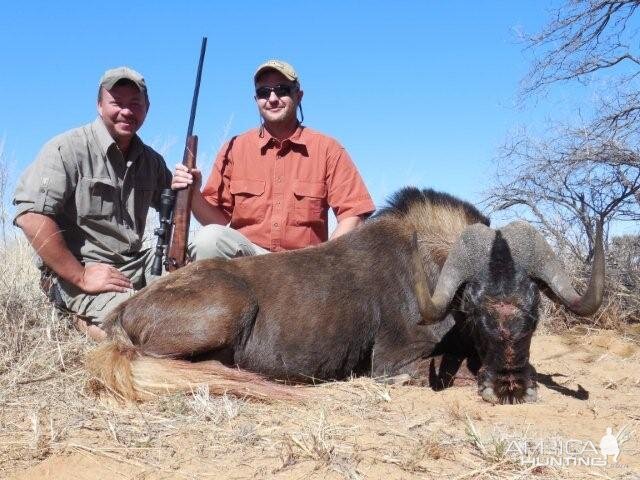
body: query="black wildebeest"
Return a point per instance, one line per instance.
(360, 304)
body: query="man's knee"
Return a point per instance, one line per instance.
(217, 241)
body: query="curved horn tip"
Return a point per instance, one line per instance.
(590, 302)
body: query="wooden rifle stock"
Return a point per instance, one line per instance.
(177, 251)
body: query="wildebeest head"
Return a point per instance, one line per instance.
(499, 273)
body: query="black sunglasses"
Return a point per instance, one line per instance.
(284, 90)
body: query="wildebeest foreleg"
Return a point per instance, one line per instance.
(399, 352)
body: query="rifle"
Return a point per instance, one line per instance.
(177, 219)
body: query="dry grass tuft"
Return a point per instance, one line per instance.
(456, 412)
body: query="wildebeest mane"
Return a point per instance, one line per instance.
(437, 218)
(403, 201)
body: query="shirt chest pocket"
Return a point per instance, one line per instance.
(309, 200)
(96, 198)
(249, 202)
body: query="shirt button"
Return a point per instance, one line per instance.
(275, 224)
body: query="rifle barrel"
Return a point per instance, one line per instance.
(196, 90)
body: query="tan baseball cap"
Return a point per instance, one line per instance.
(112, 76)
(279, 66)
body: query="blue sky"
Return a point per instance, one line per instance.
(418, 92)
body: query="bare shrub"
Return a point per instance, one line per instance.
(566, 178)
(624, 278)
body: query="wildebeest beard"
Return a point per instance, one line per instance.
(502, 309)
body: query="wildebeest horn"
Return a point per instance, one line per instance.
(530, 250)
(465, 260)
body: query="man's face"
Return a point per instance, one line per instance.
(123, 110)
(277, 109)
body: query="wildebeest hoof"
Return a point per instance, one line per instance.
(402, 379)
(488, 395)
(531, 396)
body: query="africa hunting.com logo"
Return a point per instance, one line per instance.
(560, 452)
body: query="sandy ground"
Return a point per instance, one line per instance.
(589, 381)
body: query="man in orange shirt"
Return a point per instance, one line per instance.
(273, 185)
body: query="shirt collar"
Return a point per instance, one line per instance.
(135, 148)
(102, 135)
(106, 141)
(266, 139)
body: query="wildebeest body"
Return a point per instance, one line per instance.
(315, 321)
(359, 304)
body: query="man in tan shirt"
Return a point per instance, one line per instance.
(274, 185)
(83, 203)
